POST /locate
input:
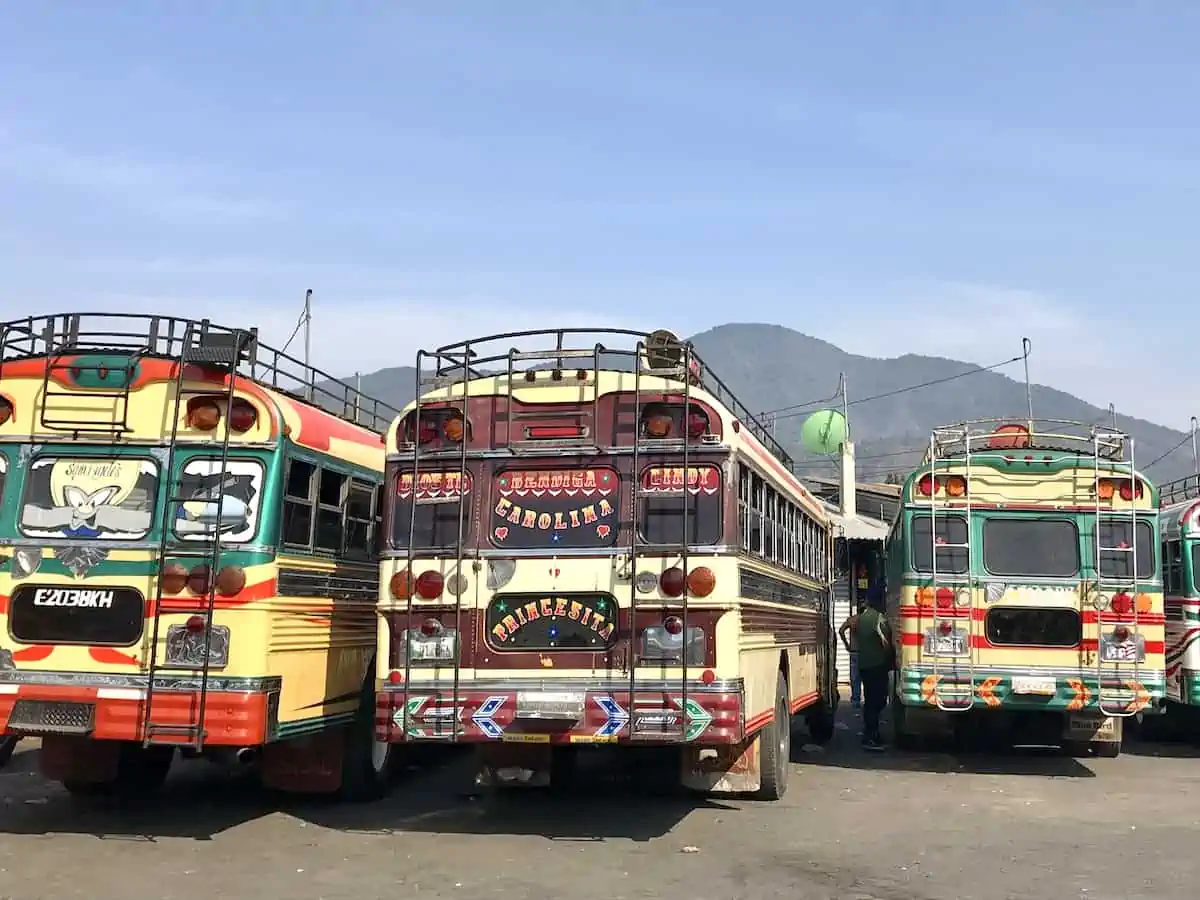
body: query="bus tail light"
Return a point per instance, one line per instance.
(231, 580)
(925, 486)
(203, 413)
(174, 578)
(955, 485)
(1120, 634)
(944, 597)
(673, 625)
(671, 582)
(453, 429)
(1121, 604)
(701, 581)
(945, 627)
(6, 410)
(697, 424)
(431, 627)
(200, 579)
(430, 584)
(400, 585)
(555, 432)
(1127, 489)
(242, 416)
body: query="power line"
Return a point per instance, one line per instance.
(799, 409)
(1186, 438)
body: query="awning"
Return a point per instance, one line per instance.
(860, 528)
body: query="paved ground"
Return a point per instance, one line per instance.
(853, 826)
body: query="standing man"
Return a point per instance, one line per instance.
(874, 663)
(849, 635)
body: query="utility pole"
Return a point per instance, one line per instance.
(308, 376)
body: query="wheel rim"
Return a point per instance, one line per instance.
(379, 755)
(784, 742)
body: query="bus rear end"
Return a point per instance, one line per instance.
(1032, 600)
(552, 577)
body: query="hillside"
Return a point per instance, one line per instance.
(769, 367)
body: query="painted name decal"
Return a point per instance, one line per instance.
(589, 514)
(548, 608)
(434, 486)
(670, 480)
(76, 597)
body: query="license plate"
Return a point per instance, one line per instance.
(567, 705)
(433, 649)
(1091, 727)
(1126, 651)
(1046, 687)
(946, 644)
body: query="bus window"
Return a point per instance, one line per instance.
(360, 499)
(665, 504)
(435, 521)
(1046, 547)
(109, 499)
(1039, 627)
(1172, 560)
(298, 503)
(1119, 563)
(3, 474)
(1195, 555)
(197, 518)
(330, 499)
(534, 509)
(950, 530)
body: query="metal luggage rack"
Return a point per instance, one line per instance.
(1179, 490)
(581, 349)
(140, 336)
(1054, 435)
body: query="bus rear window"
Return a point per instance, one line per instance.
(670, 504)
(93, 498)
(951, 530)
(560, 509)
(437, 501)
(1118, 562)
(1039, 547)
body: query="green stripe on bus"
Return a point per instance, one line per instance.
(114, 568)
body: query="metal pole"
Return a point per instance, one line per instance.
(845, 403)
(1195, 458)
(308, 378)
(357, 393)
(1112, 412)
(1026, 346)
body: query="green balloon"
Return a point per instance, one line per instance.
(824, 432)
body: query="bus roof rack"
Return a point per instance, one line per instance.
(579, 348)
(1179, 491)
(1021, 433)
(200, 341)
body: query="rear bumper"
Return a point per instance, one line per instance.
(237, 712)
(505, 712)
(997, 687)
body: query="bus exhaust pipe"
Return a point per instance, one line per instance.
(247, 755)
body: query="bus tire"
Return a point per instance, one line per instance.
(8, 743)
(366, 762)
(902, 738)
(1107, 749)
(775, 747)
(820, 719)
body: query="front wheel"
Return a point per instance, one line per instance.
(775, 748)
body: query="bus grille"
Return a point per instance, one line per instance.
(54, 716)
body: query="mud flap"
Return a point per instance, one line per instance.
(723, 769)
(1092, 728)
(310, 764)
(79, 759)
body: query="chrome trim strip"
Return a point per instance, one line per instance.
(224, 684)
(618, 686)
(1065, 671)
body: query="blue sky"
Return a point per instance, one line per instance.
(903, 177)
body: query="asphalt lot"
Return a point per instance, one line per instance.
(854, 825)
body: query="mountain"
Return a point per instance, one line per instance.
(769, 367)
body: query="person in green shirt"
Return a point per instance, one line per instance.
(874, 638)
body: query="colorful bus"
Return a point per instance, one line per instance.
(599, 546)
(1179, 521)
(1024, 588)
(188, 555)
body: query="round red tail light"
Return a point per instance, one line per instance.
(708, 676)
(671, 582)
(242, 416)
(431, 627)
(925, 486)
(196, 623)
(231, 580)
(673, 625)
(6, 410)
(200, 579)
(454, 429)
(400, 585)
(429, 585)
(1130, 489)
(945, 597)
(1122, 604)
(945, 627)
(395, 677)
(203, 413)
(174, 578)
(697, 424)
(701, 581)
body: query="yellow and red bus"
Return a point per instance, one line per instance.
(1024, 588)
(188, 542)
(588, 545)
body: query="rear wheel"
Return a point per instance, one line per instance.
(775, 747)
(8, 744)
(366, 762)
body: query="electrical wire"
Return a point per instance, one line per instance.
(800, 409)
(1186, 438)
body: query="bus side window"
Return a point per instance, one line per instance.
(1172, 568)
(298, 503)
(330, 501)
(360, 524)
